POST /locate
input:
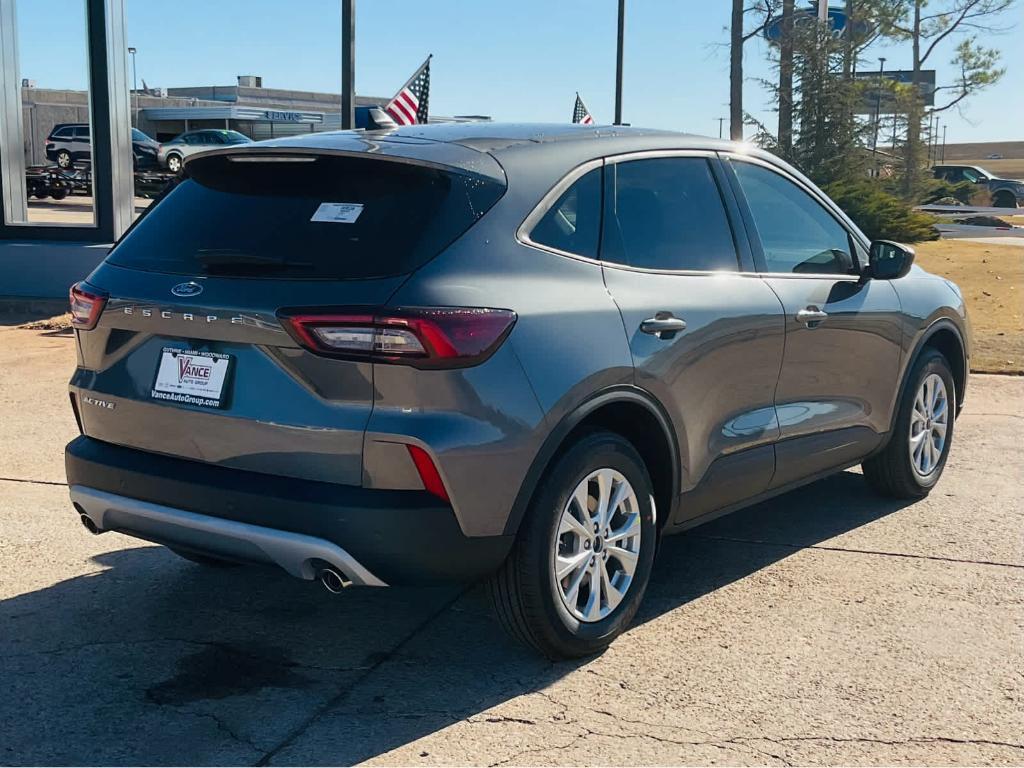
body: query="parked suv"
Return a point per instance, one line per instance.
(519, 353)
(173, 153)
(1006, 193)
(69, 143)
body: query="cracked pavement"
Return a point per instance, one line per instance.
(824, 627)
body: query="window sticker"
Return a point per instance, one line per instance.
(338, 213)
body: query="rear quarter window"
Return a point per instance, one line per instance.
(267, 219)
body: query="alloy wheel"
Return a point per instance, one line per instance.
(928, 423)
(597, 545)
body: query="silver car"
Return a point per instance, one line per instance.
(518, 353)
(172, 153)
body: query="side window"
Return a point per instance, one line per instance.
(82, 133)
(666, 213)
(971, 175)
(797, 234)
(573, 223)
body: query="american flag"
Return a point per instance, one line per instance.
(580, 113)
(409, 107)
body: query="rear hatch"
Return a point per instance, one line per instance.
(189, 356)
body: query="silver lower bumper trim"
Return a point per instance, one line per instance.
(294, 552)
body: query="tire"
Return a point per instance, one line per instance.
(205, 560)
(896, 472)
(530, 601)
(1004, 200)
(64, 158)
(58, 194)
(174, 162)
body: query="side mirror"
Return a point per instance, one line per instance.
(889, 260)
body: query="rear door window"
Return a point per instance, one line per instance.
(319, 217)
(573, 223)
(666, 214)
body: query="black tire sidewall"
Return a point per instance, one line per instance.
(171, 159)
(594, 451)
(930, 362)
(64, 153)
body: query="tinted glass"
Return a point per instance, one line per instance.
(666, 213)
(82, 132)
(573, 223)
(63, 133)
(138, 135)
(234, 137)
(797, 234)
(268, 219)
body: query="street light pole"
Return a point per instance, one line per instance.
(135, 90)
(618, 63)
(721, 122)
(348, 64)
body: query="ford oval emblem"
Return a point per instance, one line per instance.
(187, 289)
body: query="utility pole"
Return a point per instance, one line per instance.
(348, 64)
(721, 122)
(135, 90)
(944, 141)
(618, 63)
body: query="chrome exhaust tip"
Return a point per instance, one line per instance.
(333, 581)
(90, 526)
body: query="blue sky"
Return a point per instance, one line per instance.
(521, 60)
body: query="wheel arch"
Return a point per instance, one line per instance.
(628, 411)
(944, 336)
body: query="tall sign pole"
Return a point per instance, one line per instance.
(348, 64)
(618, 63)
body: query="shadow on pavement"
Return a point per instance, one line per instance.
(152, 660)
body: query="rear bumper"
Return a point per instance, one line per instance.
(373, 536)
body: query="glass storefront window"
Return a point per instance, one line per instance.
(49, 52)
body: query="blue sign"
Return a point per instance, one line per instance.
(837, 22)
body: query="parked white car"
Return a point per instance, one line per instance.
(173, 153)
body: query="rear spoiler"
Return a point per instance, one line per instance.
(441, 156)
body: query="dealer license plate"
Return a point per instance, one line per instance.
(193, 378)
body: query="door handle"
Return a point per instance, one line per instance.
(811, 316)
(661, 323)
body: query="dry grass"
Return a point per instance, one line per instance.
(55, 323)
(992, 280)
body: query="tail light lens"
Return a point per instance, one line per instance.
(424, 337)
(86, 306)
(427, 470)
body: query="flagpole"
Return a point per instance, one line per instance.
(618, 63)
(348, 64)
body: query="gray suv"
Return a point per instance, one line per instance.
(1006, 193)
(519, 353)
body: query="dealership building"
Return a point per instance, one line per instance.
(163, 113)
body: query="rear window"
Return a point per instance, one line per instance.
(308, 218)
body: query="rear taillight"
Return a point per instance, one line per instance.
(86, 306)
(424, 337)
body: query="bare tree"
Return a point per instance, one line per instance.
(928, 26)
(786, 81)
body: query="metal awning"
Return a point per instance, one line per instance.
(249, 114)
